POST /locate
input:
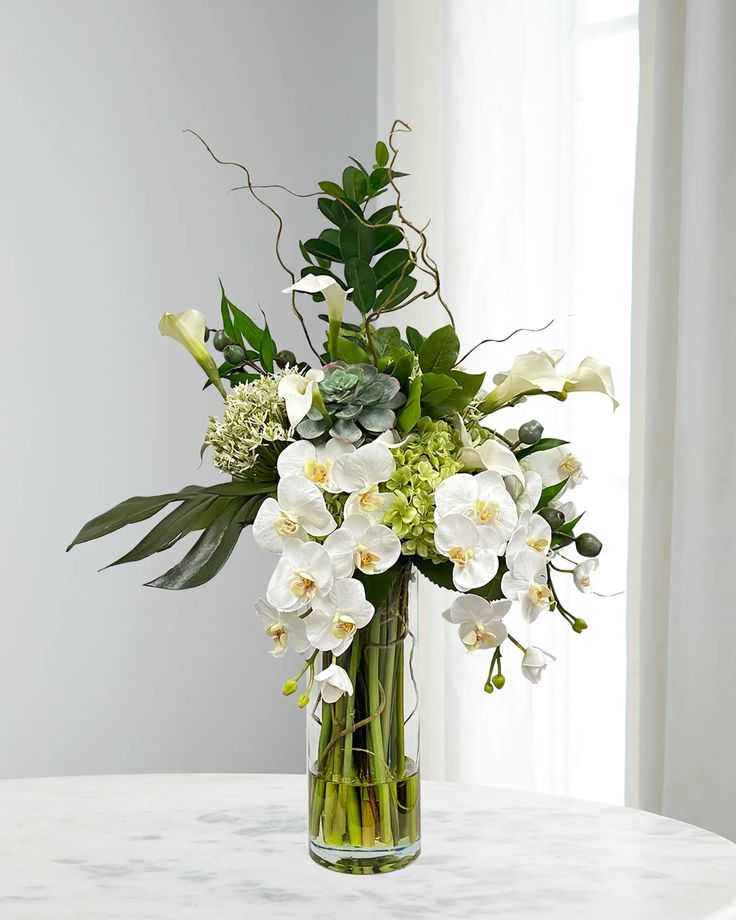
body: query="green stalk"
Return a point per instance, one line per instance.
(333, 817)
(378, 766)
(318, 798)
(387, 726)
(355, 829)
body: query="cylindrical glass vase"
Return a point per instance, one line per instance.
(363, 750)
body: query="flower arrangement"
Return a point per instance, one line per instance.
(375, 458)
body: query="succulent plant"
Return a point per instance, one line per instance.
(358, 399)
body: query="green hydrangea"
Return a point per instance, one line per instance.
(429, 456)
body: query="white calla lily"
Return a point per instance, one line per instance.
(526, 581)
(554, 465)
(336, 617)
(334, 295)
(479, 621)
(496, 456)
(533, 372)
(581, 575)
(482, 498)
(303, 573)
(297, 391)
(333, 682)
(534, 662)
(525, 498)
(472, 550)
(533, 532)
(189, 329)
(298, 510)
(591, 376)
(371, 548)
(284, 628)
(313, 461)
(360, 474)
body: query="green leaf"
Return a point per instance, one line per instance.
(378, 179)
(268, 351)
(132, 510)
(227, 320)
(332, 188)
(355, 183)
(305, 255)
(382, 215)
(550, 493)
(569, 526)
(402, 368)
(543, 444)
(440, 350)
(323, 249)
(332, 211)
(439, 573)
(387, 238)
(381, 154)
(395, 293)
(469, 386)
(390, 266)
(350, 352)
(412, 411)
(236, 487)
(561, 539)
(437, 387)
(377, 587)
(387, 340)
(350, 209)
(357, 241)
(359, 165)
(415, 339)
(359, 276)
(212, 550)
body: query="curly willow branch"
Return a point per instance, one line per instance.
(279, 220)
(353, 728)
(505, 339)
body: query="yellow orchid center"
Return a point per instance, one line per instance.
(461, 556)
(317, 472)
(537, 543)
(487, 512)
(365, 559)
(585, 581)
(303, 585)
(478, 637)
(343, 626)
(277, 632)
(286, 526)
(370, 500)
(570, 466)
(540, 595)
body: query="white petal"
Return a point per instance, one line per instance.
(496, 456)
(264, 527)
(304, 502)
(293, 458)
(592, 376)
(476, 572)
(455, 531)
(375, 509)
(455, 495)
(340, 547)
(382, 542)
(268, 613)
(319, 630)
(468, 608)
(369, 465)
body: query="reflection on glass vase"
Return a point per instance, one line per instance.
(363, 749)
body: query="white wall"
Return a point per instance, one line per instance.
(109, 216)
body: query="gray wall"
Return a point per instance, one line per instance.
(109, 216)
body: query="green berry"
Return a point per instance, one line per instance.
(221, 340)
(530, 432)
(579, 625)
(234, 354)
(553, 517)
(588, 545)
(498, 681)
(286, 358)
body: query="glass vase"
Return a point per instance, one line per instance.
(363, 750)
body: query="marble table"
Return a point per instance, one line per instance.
(221, 847)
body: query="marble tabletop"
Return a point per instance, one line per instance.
(221, 847)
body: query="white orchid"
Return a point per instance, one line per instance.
(533, 372)
(312, 461)
(336, 617)
(479, 621)
(360, 474)
(591, 376)
(372, 548)
(581, 575)
(472, 550)
(297, 391)
(482, 498)
(189, 329)
(333, 682)
(303, 573)
(496, 456)
(533, 532)
(298, 510)
(534, 662)
(526, 581)
(525, 498)
(334, 295)
(283, 628)
(554, 465)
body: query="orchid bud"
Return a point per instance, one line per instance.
(498, 681)
(289, 687)
(303, 700)
(579, 625)
(488, 687)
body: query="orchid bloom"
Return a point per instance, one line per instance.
(533, 372)
(297, 391)
(472, 550)
(525, 498)
(282, 628)
(189, 329)
(581, 575)
(371, 548)
(298, 510)
(526, 581)
(554, 465)
(336, 617)
(479, 621)
(534, 532)
(591, 376)
(482, 498)
(334, 681)
(312, 461)
(303, 573)
(534, 662)
(335, 297)
(360, 474)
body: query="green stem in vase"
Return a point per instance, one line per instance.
(376, 703)
(355, 829)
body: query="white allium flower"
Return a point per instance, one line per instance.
(533, 531)
(312, 461)
(581, 575)
(527, 497)
(554, 465)
(334, 681)
(479, 621)
(372, 548)
(283, 628)
(534, 662)
(482, 498)
(297, 391)
(472, 550)
(303, 573)
(360, 474)
(336, 617)
(526, 581)
(299, 510)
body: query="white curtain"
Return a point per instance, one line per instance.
(518, 110)
(682, 637)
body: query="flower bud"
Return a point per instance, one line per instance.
(221, 340)
(498, 681)
(303, 700)
(286, 358)
(289, 687)
(488, 687)
(234, 354)
(579, 625)
(530, 432)
(553, 517)
(588, 545)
